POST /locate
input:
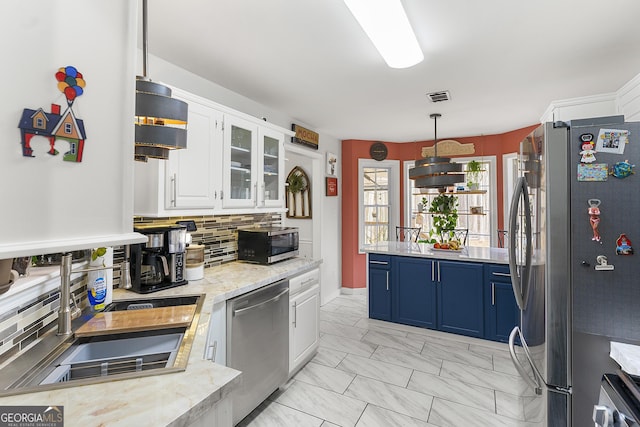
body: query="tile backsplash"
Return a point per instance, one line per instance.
(217, 233)
(21, 326)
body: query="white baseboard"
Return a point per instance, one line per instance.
(353, 291)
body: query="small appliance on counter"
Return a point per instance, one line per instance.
(159, 263)
(267, 245)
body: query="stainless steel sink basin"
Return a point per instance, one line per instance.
(60, 362)
(142, 303)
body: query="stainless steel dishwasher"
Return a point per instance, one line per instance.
(258, 344)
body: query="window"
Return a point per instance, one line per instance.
(67, 128)
(476, 209)
(379, 200)
(39, 123)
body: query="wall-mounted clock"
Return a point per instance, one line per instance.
(378, 151)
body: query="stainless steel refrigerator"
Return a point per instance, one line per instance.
(574, 203)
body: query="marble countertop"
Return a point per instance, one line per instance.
(175, 399)
(627, 356)
(468, 253)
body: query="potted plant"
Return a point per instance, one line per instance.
(444, 208)
(473, 171)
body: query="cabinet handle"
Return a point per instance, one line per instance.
(174, 178)
(264, 195)
(433, 277)
(438, 271)
(221, 194)
(493, 293)
(212, 351)
(379, 262)
(387, 280)
(502, 274)
(295, 314)
(255, 193)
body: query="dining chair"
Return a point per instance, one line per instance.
(407, 234)
(459, 234)
(502, 238)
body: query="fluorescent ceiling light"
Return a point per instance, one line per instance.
(387, 25)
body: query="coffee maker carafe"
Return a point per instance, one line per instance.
(158, 263)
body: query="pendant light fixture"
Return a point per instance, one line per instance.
(161, 121)
(436, 172)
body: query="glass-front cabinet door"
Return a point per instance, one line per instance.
(271, 182)
(240, 163)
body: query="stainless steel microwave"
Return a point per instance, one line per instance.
(267, 245)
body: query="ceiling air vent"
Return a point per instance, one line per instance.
(439, 96)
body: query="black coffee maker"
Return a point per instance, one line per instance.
(159, 262)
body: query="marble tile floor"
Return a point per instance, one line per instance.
(370, 373)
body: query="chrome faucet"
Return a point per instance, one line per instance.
(64, 312)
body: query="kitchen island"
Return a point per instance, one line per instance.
(198, 396)
(466, 292)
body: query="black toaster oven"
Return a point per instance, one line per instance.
(267, 245)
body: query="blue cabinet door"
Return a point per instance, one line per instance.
(460, 302)
(414, 292)
(501, 311)
(379, 287)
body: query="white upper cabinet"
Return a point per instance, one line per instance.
(271, 167)
(192, 177)
(240, 163)
(233, 162)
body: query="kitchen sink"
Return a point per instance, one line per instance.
(60, 362)
(142, 303)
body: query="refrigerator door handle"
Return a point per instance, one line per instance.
(534, 383)
(537, 383)
(520, 275)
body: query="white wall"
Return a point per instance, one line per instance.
(48, 202)
(328, 213)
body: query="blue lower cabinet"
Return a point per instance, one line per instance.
(380, 288)
(460, 298)
(414, 294)
(501, 309)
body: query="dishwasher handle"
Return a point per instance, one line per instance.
(260, 304)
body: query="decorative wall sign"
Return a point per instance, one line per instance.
(332, 161)
(55, 125)
(332, 186)
(593, 171)
(612, 141)
(378, 151)
(449, 147)
(305, 136)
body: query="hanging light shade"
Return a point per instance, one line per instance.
(161, 121)
(436, 172)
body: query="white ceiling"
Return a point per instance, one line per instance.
(503, 61)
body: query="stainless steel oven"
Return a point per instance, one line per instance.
(619, 401)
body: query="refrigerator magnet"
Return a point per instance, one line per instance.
(612, 141)
(587, 148)
(595, 172)
(623, 245)
(594, 218)
(622, 169)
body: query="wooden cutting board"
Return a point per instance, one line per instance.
(137, 320)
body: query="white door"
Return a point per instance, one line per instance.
(305, 328)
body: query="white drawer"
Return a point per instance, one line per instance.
(303, 281)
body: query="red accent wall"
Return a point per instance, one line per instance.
(353, 263)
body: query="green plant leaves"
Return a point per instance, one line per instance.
(98, 252)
